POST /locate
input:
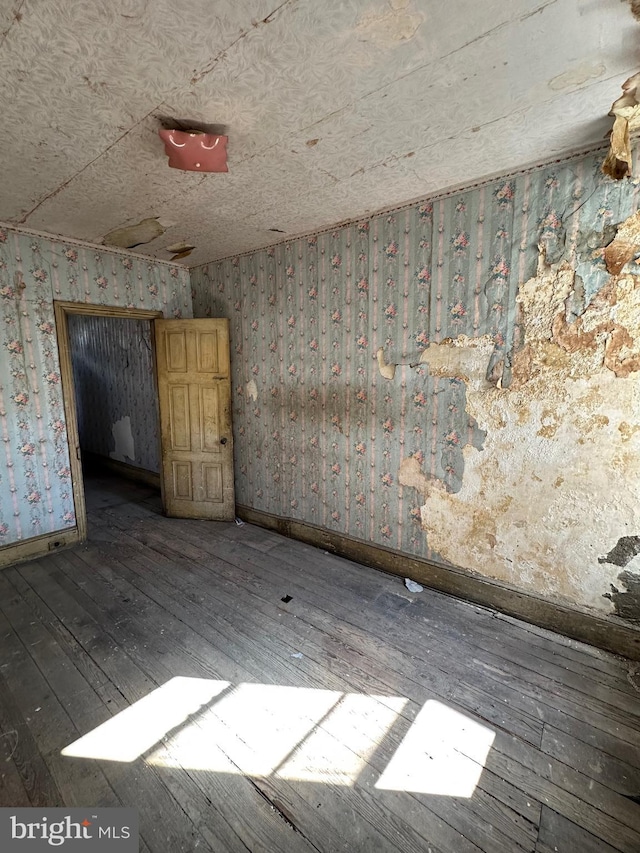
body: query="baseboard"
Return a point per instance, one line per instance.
(607, 633)
(122, 469)
(37, 546)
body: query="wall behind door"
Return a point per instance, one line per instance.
(35, 488)
(115, 388)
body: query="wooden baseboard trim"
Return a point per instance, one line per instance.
(37, 546)
(604, 632)
(122, 469)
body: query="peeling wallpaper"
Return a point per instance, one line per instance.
(35, 488)
(505, 450)
(116, 395)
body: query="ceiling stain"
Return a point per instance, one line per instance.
(577, 76)
(387, 27)
(134, 235)
(376, 78)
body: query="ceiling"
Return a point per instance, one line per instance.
(334, 109)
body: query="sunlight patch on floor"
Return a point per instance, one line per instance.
(294, 733)
(443, 753)
(130, 733)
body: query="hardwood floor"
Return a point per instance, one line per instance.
(289, 700)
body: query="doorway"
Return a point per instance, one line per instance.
(86, 389)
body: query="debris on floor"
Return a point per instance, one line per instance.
(412, 586)
(297, 655)
(286, 599)
(239, 522)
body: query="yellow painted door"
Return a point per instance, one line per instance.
(194, 389)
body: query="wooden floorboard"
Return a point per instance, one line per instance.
(89, 632)
(502, 678)
(594, 793)
(492, 810)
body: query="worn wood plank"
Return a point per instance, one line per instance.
(230, 578)
(139, 784)
(567, 709)
(579, 783)
(35, 777)
(147, 658)
(487, 635)
(559, 835)
(83, 783)
(512, 824)
(611, 772)
(265, 664)
(585, 783)
(318, 642)
(148, 598)
(431, 632)
(498, 813)
(541, 642)
(12, 785)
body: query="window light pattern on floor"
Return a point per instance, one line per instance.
(296, 733)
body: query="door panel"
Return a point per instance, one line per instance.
(207, 351)
(176, 352)
(182, 481)
(213, 480)
(210, 420)
(179, 417)
(194, 387)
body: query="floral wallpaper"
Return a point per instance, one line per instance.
(113, 373)
(35, 488)
(319, 434)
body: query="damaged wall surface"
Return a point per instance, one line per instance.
(506, 439)
(35, 488)
(116, 396)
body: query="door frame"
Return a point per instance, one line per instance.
(62, 311)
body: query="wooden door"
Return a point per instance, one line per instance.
(194, 390)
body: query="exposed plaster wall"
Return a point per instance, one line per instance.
(558, 480)
(458, 381)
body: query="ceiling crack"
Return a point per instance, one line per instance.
(266, 20)
(368, 94)
(538, 10)
(66, 183)
(221, 54)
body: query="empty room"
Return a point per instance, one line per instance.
(320, 426)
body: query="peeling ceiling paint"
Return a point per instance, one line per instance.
(333, 110)
(134, 235)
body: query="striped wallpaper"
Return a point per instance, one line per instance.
(319, 434)
(35, 488)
